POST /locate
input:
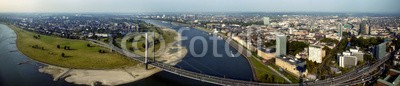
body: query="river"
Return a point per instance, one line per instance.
(226, 66)
(13, 74)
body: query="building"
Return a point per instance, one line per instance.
(396, 60)
(350, 58)
(364, 28)
(315, 53)
(281, 43)
(380, 50)
(347, 61)
(266, 20)
(292, 65)
(340, 29)
(392, 79)
(267, 53)
(291, 30)
(358, 54)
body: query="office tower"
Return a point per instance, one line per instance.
(380, 50)
(364, 28)
(281, 45)
(340, 29)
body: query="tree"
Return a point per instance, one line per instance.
(270, 43)
(326, 48)
(65, 47)
(266, 76)
(296, 47)
(62, 55)
(131, 48)
(58, 46)
(88, 45)
(273, 79)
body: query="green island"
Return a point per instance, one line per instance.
(69, 53)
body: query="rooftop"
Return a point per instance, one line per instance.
(391, 79)
(292, 60)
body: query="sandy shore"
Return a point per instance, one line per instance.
(171, 55)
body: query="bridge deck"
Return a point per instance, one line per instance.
(226, 81)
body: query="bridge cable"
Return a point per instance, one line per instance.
(208, 68)
(192, 66)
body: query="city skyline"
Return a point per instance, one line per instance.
(126, 6)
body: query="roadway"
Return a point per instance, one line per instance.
(339, 80)
(186, 73)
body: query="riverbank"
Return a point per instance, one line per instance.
(260, 71)
(115, 75)
(67, 53)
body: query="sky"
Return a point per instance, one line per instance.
(75, 6)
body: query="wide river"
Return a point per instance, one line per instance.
(12, 74)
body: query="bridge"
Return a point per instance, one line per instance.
(344, 79)
(185, 73)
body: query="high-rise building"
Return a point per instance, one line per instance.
(380, 50)
(266, 20)
(281, 43)
(364, 28)
(340, 29)
(315, 53)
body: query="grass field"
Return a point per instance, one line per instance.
(80, 56)
(261, 71)
(291, 77)
(168, 36)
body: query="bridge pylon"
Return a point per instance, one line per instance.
(146, 52)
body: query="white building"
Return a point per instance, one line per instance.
(350, 58)
(358, 54)
(281, 43)
(266, 20)
(347, 61)
(315, 53)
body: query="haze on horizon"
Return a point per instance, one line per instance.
(362, 6)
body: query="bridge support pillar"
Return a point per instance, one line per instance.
(146, 52)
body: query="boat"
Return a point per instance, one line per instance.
(14, 51)
(232, 54)
(23, 62)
